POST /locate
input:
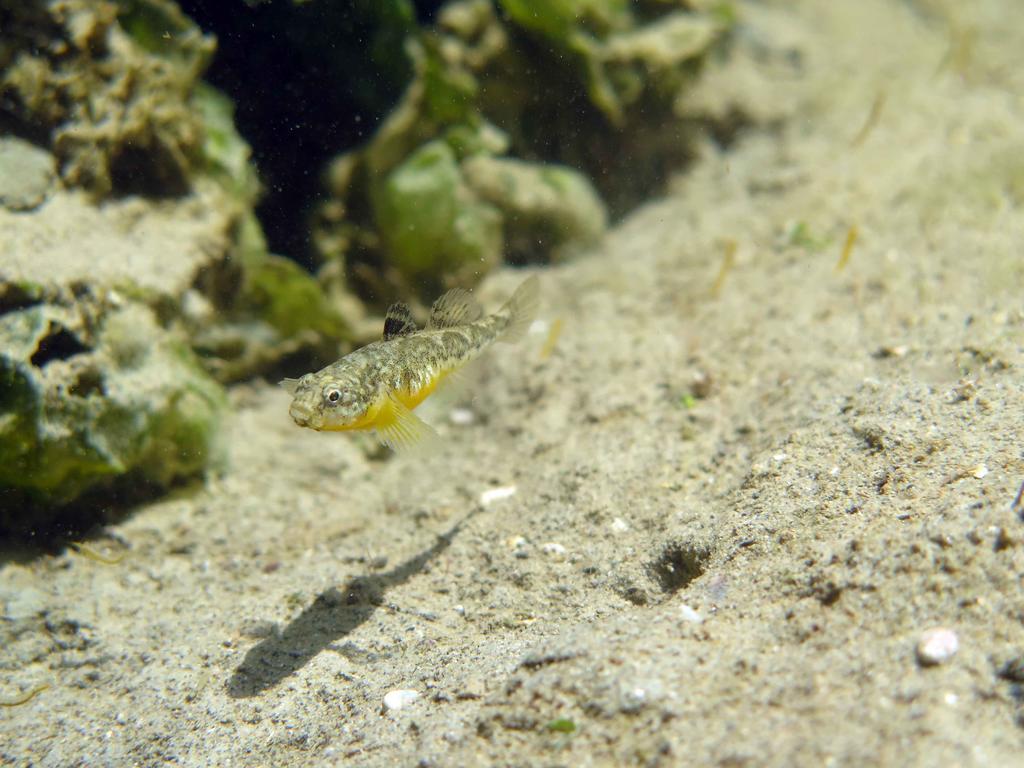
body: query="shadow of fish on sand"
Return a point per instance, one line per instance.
(336, 613)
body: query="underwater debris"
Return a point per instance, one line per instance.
(871, 121)
(551, 341)
(86, 551)
(844, 255)
(728, 262)
(1017, 505)
(378, 386)
(492, 495)
(561, 725)
(26, 697)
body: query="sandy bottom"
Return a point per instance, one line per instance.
(740, 499)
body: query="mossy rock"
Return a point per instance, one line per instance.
(84, 401)
(434, 225)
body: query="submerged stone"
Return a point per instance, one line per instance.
(27, 174)
(92, 392)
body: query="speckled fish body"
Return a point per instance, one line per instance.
(378, 386)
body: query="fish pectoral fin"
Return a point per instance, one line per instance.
(455, 308)
(398, 321)
(401, 430)
(289, 385)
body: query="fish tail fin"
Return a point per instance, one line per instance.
(521, 309)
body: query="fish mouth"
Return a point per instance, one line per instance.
(301, 414)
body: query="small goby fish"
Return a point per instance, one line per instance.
(378, 386)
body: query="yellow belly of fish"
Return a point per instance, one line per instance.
(411, 399)
(380, 414)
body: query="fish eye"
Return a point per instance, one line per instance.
(332, 395)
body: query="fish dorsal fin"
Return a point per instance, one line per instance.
(457, 307)
(398, 321)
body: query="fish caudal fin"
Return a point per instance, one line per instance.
(521, 309)
(401, 430)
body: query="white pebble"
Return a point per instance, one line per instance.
(937, 646)
(691, 615)
(619, 525)
(553, 549)
(979, 471)
(398, 699)
(462, 417)
(497, 494)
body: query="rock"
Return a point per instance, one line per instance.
(546, 208)
(937, 646)
(27, 174)
(432, 223)
(93, 392)
(66, 69)
(399, 699)
(554, 550)
(476, 161)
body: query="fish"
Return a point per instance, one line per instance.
(377, 387)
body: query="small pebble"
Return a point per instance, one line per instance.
(619, 525)
(979, 471)
(27, 174)
(461, 417)
(937, 646)
(553, 549)
(399, 699)
(520, 547)
(497, 494)
(691, 615)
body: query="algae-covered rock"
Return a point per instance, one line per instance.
(432, 223)
(551, 206)
(120, 319)
(110, 83)
(539, 104)
(94, 391)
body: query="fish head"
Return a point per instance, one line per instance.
(328, 402)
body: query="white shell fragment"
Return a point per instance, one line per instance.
(937, 646)
(399, 699)
(497, 494)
